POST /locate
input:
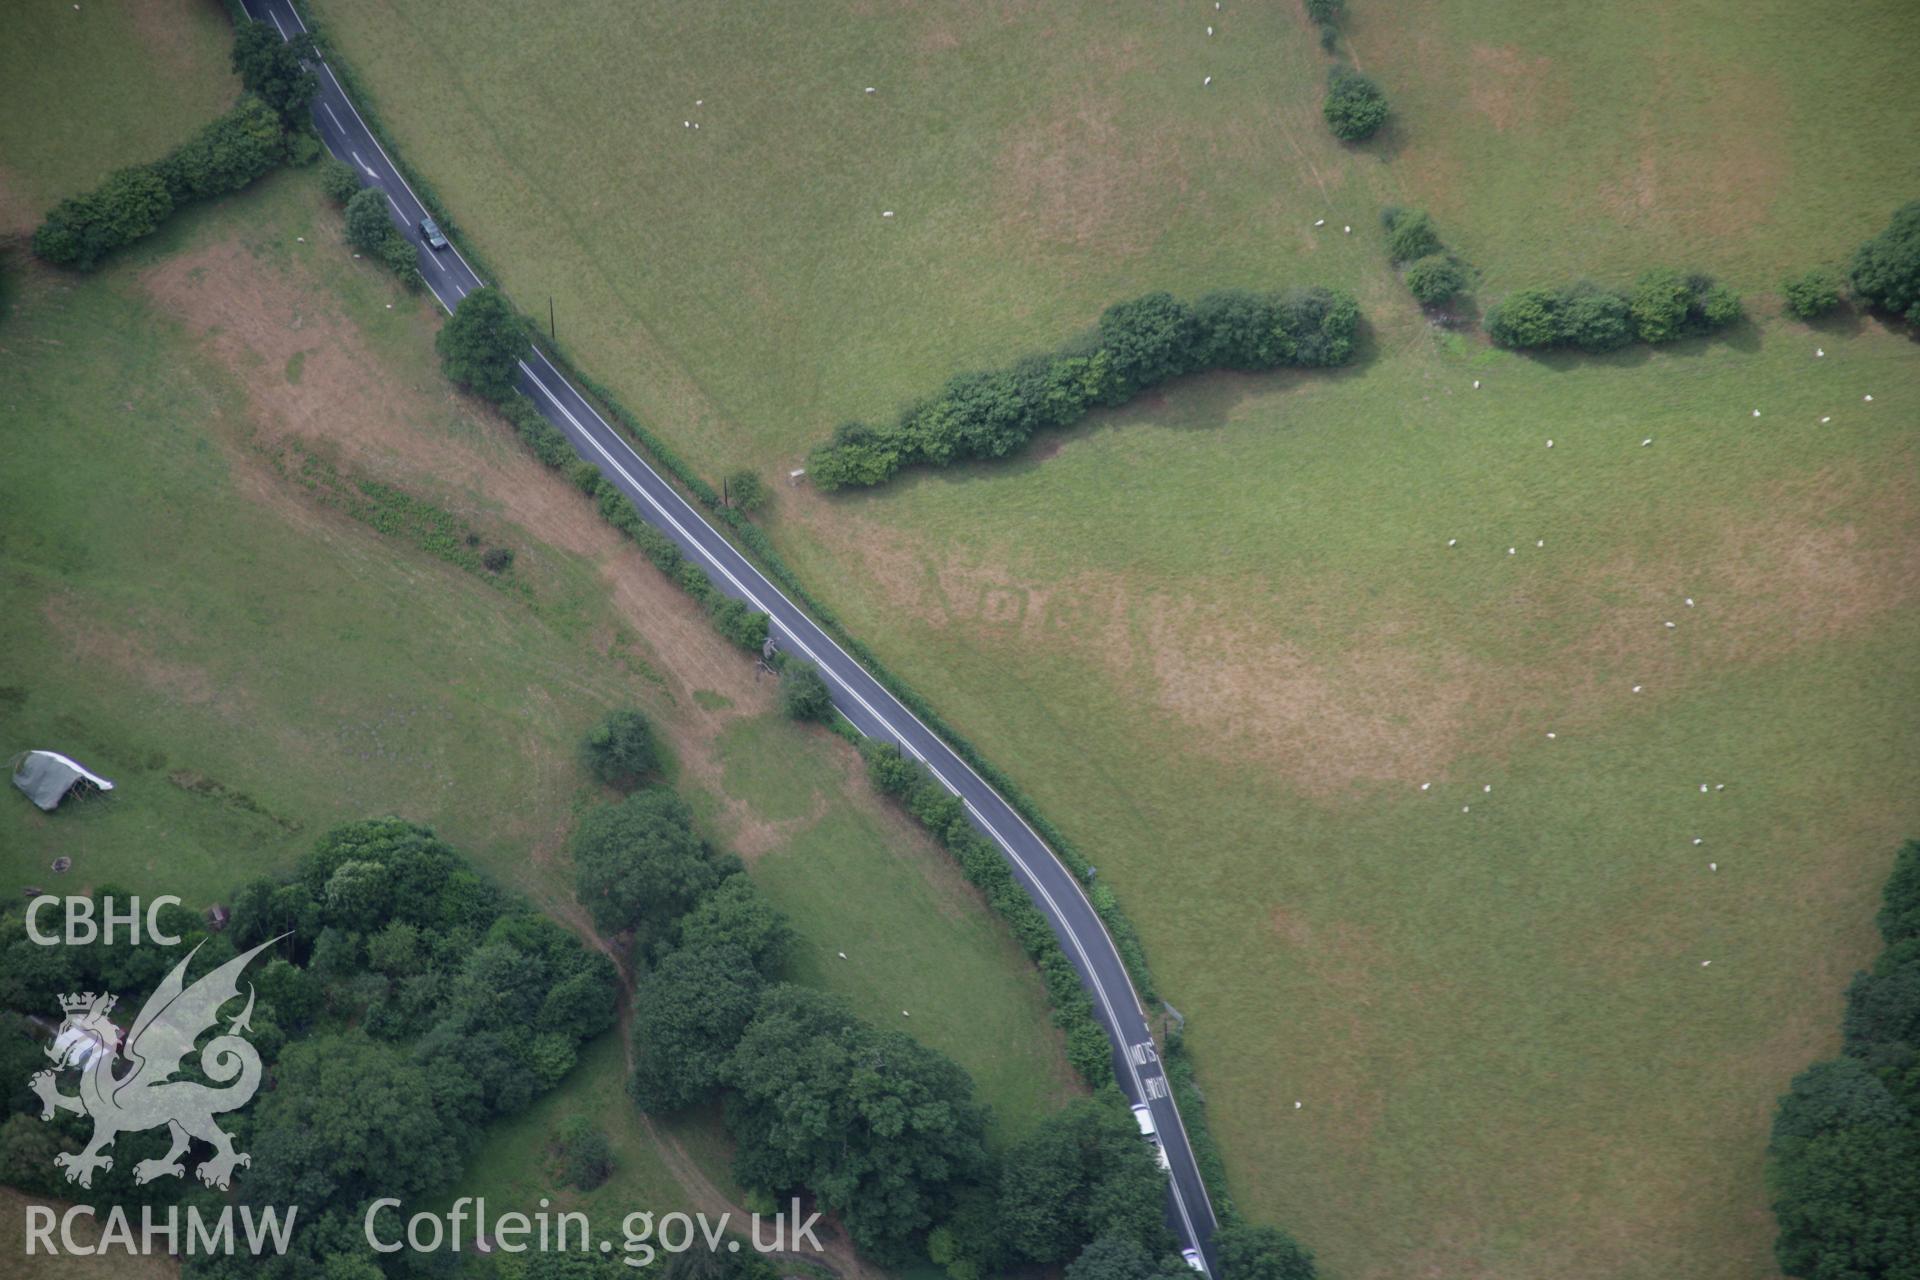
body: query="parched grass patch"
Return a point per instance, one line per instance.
(252, 664)
(1490, 1003)
(1041, 162)
(1219, 636)
(1750, 143)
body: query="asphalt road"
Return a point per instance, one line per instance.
(863, 700)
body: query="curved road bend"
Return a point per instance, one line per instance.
(863, 700)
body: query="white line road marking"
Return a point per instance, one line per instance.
(328, 108)
(364, 128)
(1114, 1021)
(1144, 1086)
(396, 207)
(434, 258)
(276, 24)
(362, 163)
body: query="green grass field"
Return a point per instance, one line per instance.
(1219, 635)
(251, 665)
(147, 74)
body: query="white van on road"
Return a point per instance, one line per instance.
(1144, 1118)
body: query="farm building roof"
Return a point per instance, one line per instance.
(45, 777)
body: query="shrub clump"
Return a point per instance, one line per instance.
(1886, 269)
(1811, 294)
(1410, 235)
(586, 1158)
(621, 750)
(803, 694)
(1436, 279)
(338, 180)
(1355, 107)
(1668, 306)
(483, 342)
(745, 490)
(1663, 306)
(1137, 344)
(371, 231)
(1325, 14)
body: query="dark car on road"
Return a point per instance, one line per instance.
(430, 232)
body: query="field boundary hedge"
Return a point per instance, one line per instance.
(760, 550)
(1136, 345)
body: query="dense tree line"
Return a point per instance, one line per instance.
(1664, 305)
(411, 1003)
(1136, 345)
(1844, 1162)
(1081, 1185)
(883, 1131)
(879, 1128)
(262, 131)
(225, 155)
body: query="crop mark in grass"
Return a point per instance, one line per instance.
(1078, 179)
(199, 784)
(92, 636)
(1768, 589)
(1307, 688)
(1382, 709)
(1511, 87)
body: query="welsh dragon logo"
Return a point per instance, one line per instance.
(126, 1086)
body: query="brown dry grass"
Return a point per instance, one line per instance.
(1066, 180)
(425, 437)
(1399, 703)
(1511, 88)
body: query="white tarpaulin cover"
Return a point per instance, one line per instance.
(45, 777)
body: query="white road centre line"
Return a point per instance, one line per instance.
(328, 108)
(276, 24)
(1093, 977)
